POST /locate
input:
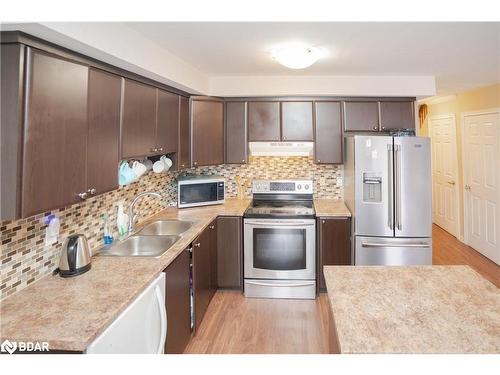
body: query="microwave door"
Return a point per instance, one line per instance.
(373, 186)
(412, 187)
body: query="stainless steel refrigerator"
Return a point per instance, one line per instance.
(388, 188)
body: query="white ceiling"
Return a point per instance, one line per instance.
(460, 55)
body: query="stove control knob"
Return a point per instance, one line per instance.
(299, 186)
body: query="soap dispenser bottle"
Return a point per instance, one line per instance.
(121, 220)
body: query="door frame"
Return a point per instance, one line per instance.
(463, 115)
(457, 195)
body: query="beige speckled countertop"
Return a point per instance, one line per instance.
(70, 313)
(331, 208)
(421, 309)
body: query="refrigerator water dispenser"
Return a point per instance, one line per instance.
(372, 187)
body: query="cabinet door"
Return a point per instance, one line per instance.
(177, 302)
(397, 115)
(229, 252)
(264, 121)
(167, 123)
(361, 116)
(55, 133)
(103, 151)
(11, 133)
(328, 133)
(184, 150)
(213, 258)
(139, 120)
(236, 133)
(334, 245)
(202, 280)
(297, 121)
(207, 132)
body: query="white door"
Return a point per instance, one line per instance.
(482, 181)
(444, 173)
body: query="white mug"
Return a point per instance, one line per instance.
(159, 166)
(167, 161)
(148, 163)
(139, 168)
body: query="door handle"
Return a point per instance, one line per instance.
(390, 155)
(260, 283)
(163, 320)
(397, 185)
(374, 244)
(451, 183)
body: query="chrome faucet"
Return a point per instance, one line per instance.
(131, 215)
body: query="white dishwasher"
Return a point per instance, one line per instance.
(141, 328)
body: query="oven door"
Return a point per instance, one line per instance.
(280, 249)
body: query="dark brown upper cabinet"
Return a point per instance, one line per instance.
(184, 148)
(11, 129)
(167, 124)
(207, 132)
(396, 115)
(139, 120)
(264, 121)
(55, 133)
(328, 133)
(334, 240)
(236, 133)
(103, 151)
(361, 116)
(297, 121)
(178, 304)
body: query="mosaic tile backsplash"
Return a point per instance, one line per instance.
(25, 259)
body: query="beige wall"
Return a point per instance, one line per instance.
(481, 98)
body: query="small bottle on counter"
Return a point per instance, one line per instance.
(108, 237)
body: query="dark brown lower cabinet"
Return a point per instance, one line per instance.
(334, 245)
(203, 272)
(229, 252)
(177, 301)
(213, 257)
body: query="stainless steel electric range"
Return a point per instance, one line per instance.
(280, 240)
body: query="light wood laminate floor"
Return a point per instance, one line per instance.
(235, 324)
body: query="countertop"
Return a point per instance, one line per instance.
(419, 309)
(331, 208)
(70, 313)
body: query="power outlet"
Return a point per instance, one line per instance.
(340, 181)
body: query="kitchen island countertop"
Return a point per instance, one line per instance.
(418, 309)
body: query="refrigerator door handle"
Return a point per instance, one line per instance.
(390, 215)
(397, 184)
(375, 244)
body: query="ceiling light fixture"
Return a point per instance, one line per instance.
(296, 56)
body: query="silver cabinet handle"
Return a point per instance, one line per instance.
(397, 185)
(375, 127)
(212, 227)
(383, 127)
(390, 155)
(160, 149)
(451, 183)
(319, 160)
(197, 244)
(260, 283)
(195, 163)
(83, 195)
(154, 149)
(92, 191)
(374, 244)
(467, 187)
(243, 161)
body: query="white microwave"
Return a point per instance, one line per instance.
(195, 191)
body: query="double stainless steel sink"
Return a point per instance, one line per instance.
(150, 241)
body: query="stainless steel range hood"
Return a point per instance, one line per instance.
(281, 148)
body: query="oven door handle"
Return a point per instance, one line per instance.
(279, 224)
(260, 283)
